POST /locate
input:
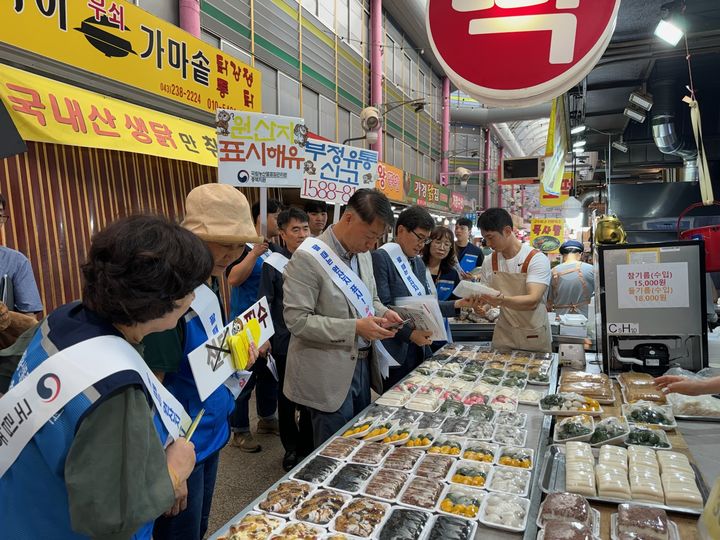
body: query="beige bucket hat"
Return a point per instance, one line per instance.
(219, 213)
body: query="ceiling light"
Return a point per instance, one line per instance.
(669, 32)
(644, 101)
(634, 114)
(620, 145)
(579, 144)
(577, 129)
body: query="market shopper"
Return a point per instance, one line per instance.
(318, 215)
(687, 386)
(573, 282)
(219, 215)
(439, 258)
(294, 419)
(522, 275)
(400, 272)
(469, 256)
(98, 468)
(244, 276)
(335, 317)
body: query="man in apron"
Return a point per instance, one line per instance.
(573, 282)
(522, 275)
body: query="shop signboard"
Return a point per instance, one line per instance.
(508, 53)
(457, 202)
(334, 171)
(390, 181)
(552, 201)
(48, 111)
(653, 285)
(260, 150)
(424, 193)
(547, 234)
(118, 40)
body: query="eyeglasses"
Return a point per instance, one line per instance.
(422, 239)
(441, 244)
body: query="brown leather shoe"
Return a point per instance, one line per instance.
(268, 426)
(245, 442)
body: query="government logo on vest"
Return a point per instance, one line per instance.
(48, 392)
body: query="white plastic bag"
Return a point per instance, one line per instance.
(465, 289)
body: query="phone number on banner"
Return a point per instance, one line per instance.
(329, 191)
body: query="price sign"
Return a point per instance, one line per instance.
(660, 285)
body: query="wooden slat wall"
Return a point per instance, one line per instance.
(59, 196)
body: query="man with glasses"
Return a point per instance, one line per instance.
(400, 272)
(335, 317)
(16, 275)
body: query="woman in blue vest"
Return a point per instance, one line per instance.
(439, 259)
(98, 468)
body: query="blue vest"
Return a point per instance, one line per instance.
(245, 295)
(213, 431)
(33, 497)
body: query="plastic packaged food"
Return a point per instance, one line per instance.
(520, 367)
(516, 373)
(480, 430)
(299, 531)
(370, 453)
(646, 392)
(512, 419)
(451, 528)
(530, 397)
(404, 523)
(431, 421)
(403, 459)
(567, 403)
(317, 470)
(612, 483)
(399, 435)
(599, 391)
(254, 526)
(360, 428)
(529, 355)
(510, 480)
(322, 507)
(285, 497)
(610, 429)
(644, 436)
(451, 395)
(448, 446)
(405, 417)
(340, 448)
(455, 425)
(381, 412)
(422, 493)
(351, 478)
(427, 401)
(480, 451)
(645, 412)
(434, 467)
(444, 373)
(505, 511)
(510, 436)
(386, 484)
(503, 403)
(492, 380)
(582, 376)
(635, 378)
(577, 428)
(378, 431)
(452, 408)
(694, 405)
(580, 469)
(421, 438)
(513, 382)
(481, 412)
(564, 506)
(538, 376)
(360, 517)
(471, 473)
(476, 398)
(567, 530)
(461, 501)
(642, 521)
(516, 457)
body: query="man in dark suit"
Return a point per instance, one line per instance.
(410, 346)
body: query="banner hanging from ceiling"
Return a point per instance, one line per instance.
(516, 53)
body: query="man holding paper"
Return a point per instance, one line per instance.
(400, 273)
(335, 317)
(522, 275)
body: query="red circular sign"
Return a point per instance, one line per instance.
(517, 51)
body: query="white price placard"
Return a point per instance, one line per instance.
(262, 150)
(655, 285)
(334, 171)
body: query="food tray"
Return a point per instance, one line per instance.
(322, 491)
(596, 520)
(673, 531)
(362, 423)
(571, 413)
(444, 445)
(377, 527)
(395, 534)
(595, 527)
(360, 484)
(384, 449)
(519, 436)
(494, 496)
(387, 424)
(487, 468)
(310, 490)
(582, 438)
(401, 475)
(398, 430)
(499, 472)
(310, 532)
(416, 483)
(439, 535)
(504, 449)
(482, 445)
(618, 441)
(458, 490)
(433, 434)
(281, 523)
(687, 418)
(552, 479)
(659, 432)
(511, 419)
(666, 408)
(543, 393)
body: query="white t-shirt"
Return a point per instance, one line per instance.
(538, 269)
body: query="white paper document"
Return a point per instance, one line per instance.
(425, 314)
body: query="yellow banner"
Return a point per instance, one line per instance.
(390, 182)
(555, 149)
(547, 234)
(120, 41)
(550, 200)
(49, 111)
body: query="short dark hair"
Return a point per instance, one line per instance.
(464, 222)
(138, 268)
(495, 219)
(371, 204)
(450, 261)
(316, 206)
(273, 205)
(415, 217)
(291, 213)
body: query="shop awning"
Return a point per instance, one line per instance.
(49, 111)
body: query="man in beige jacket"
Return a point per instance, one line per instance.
(333, 358)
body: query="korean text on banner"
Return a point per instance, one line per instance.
(547, 234)
(390, 182)
(262, 150)
(424, 193)
(211, 362)
(658, 285)
(45, 110)
(334, 171)
(118, 40)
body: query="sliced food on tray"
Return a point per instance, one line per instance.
(481, 412)
(567, 507)
(254, 526)
(434, 467)
(462, 502)
(569, 530)
(503, 402)
(378, 430)
(322, 507)
(480, 451)
(480, 430)
(361, 517)
(285, 497)
(471, 473)
(398, 435)
(360, 428)
(422, 492)
(386, 484)
(513, 481)
(340, 448)
(299, 531)
(648, 392)
(371, 453)
(404, 523)
(455, 425)
(569, 403)
(516, 457)
(451, 407)
(505, 511)
(446, 445)
(510, 436)
(351, 477)
(403, 459)
(637, 521)
(447, 527)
